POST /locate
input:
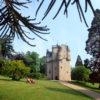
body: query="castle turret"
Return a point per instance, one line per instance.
(64, 64)
(58, 63)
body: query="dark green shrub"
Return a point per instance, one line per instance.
(37, 75)
(15, 69)
(80, 73)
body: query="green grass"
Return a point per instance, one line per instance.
(88, 85)
(42, 90)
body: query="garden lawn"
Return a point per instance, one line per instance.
(88, 85)
(42, 90)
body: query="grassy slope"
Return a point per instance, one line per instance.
(42, 90)
(91, 86)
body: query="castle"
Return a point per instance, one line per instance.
(58, 63)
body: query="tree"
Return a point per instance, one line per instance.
(93, 48)
(78, 61)
(6, 47)
(36, 64)
(18, 56)
(2, 63)
(15, 69)
(42, 65)
(13, 23)
(80, 73)
(66, 4)
(33, 61)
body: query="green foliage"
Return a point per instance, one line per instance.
(80, 73)
(33, 61)
(93, 48)
(6, 47)
(42, 65)
(37, 75)
(79, 61)
(36, 64)
(15, 69)
(2, 61)
(10, 17)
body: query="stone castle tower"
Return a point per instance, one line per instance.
(58, 63)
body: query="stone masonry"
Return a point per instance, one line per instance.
(58, 63)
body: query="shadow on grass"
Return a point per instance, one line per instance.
(84, 84)
(10, 80)
(3, 79)
(67, 91)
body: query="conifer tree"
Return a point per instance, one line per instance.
(79, 61)
(93, 48)
(13, 22)
(6, 47)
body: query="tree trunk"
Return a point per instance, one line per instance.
(99, 85)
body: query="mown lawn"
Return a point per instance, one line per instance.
(42, 90)
(88, 85)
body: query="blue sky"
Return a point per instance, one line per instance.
(68, 31)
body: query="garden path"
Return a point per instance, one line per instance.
(83, 90)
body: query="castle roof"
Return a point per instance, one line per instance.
(49, 54)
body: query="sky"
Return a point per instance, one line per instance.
(69, 31)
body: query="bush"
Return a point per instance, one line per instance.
(80, 73)
(37, 75)
(15, 69)
(2, 63)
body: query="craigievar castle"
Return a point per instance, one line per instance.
(58, 63)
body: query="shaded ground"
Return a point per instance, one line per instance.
(86, 91)
(94, 87)
(42, 90)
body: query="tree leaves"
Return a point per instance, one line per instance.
(12, 23)
(6, 47)
(65, 4)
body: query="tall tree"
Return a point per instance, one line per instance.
(6, 47)
(80, 73)
(43, 65)
(93, 48)
(79, 61)
(13, 22)
(33, 61)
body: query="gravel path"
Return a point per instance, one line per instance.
(83, 90)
